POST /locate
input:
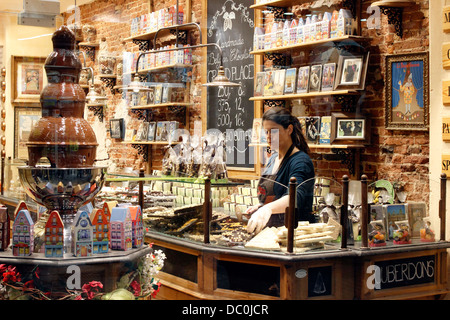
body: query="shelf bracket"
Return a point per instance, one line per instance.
(347, 102)
(140, 114)
(98, 111)
(394, 15)
(142, 150)
(181, 36)
(109, 82)
(347, 157)
(144, 45)
(278, 12)
(90, 51)
(274, 103)
(278, 59)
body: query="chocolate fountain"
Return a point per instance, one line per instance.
(63, 138)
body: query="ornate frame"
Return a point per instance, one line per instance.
(406, 61)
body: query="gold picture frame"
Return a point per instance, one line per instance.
(25, 119)
(407, 91)
(28, 79)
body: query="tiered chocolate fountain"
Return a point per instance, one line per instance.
(64, 138)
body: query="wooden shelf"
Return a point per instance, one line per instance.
(317, 146)
(151, 142)
(149, 36)
(156, 69)
(89, 44)
(304, 95)
(310, 44)
(393, 3)
(277, 3)
(162, 105)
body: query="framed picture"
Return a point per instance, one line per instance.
(28, 79)
(256, 130)
(162, 133)
(165, 94)
(259, 84)
(303, 79)
(417, 211)
(278, 82)
(325, 130)
(290, 80)
(328, 76)
(130, 135)
(151, 131)
(312, 128)
(268, 83)
(173, 131)
(158, 94)
(25, 119)
(394, 213)
(116, 128)
(407, 92)
(151, 95)
(351, 72)
(315, 78)
(349, 129)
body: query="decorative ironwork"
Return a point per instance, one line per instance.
(394, 16)
(181, 36)
(347, 157)
(278, 12)
(347, 102)
(89, 50)
(179, 111)
(278, 59)
(98, 111)
(274, 103)
(144, 45)
(109, 82)
(350, 5)
(142, 150)
(140, 114)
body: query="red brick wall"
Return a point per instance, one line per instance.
(393, 155)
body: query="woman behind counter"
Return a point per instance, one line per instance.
(289, 159)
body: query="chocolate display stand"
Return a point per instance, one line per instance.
(64, 138)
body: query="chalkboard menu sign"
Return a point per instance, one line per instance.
(231, 26)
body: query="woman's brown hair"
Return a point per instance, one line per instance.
(284, 118)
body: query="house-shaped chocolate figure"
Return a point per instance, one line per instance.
(5, 225)
(54, 236)
(23, 234)
(82, 235)
(121, 229)
(101, 233)
(137, 226)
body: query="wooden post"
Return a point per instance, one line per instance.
(207, 210)
(3, 172)
(364, 213)
(443, 205)
(344, 212)
(289, 219)
(141, 188)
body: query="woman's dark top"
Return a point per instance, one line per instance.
(300, 166)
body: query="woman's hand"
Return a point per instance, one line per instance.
(252, 209)
(259, 219)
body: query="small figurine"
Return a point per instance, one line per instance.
(100, 222)
(426, 233)
(23, 234)
(401, 234)
(54, 235)
(377, 237)
(82, 235)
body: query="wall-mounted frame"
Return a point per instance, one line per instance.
(28, 79)
(116, 128)
(349, 128)
(351, 72)
(407, 91)
(25, 119)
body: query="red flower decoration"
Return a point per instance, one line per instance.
(11, 275)
(136, 287)
(91, 288)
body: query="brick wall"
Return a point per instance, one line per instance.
(393, 155)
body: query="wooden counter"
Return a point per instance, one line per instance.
(205, 271)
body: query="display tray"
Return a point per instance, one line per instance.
(112, 256)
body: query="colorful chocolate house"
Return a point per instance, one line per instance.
(121, 229)
(101, 233)
(54, 236)
(137, 226)
(23, 234)
(5, 225)
(82, 235)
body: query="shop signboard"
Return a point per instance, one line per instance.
(446, 92)
(446, 55)
(446, 19)
(231, 26)
(446, 164)
(446, 129)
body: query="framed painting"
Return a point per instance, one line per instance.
(349, 129)
(351, 72)
(28, 79)
(116, 128)
(407, 92)
(25, 119)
